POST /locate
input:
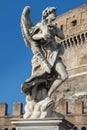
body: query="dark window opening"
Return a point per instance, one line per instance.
(13, 128)
(75, 40)
(74, 23)
(68, 42)
(79, 38)
(83, 128)
(6, 129)
(61, 27)
(75, 128)
(71, 40)
(83, 37)
(86, 35)
(65, 44)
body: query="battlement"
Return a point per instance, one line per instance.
(73, 112)
(17, 109)
(68, 108)
(77, 107)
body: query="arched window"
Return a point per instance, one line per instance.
(61, 27)
(13, 128)
(65, 44)
(75, 128)
(83, 38)
(68, 42)
(71, 40)
(75, 40)
(6, 129)
(86, 35)
(79, 39)
(83, 128)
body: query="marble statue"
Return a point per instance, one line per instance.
(48, 70)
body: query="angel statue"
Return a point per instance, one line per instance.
(48, 70)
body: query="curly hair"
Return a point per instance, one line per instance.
(48, 11)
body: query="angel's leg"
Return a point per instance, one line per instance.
(61, 70)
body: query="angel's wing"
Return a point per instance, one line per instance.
(26, 24)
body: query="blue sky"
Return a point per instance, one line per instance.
(15, 57)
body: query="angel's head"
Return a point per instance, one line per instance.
(49, 13)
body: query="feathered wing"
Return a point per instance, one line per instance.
(26, 24)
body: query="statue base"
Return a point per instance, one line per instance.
(42, 124)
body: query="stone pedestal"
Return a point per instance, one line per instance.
(42, 124)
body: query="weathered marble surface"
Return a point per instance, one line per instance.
(48, 70)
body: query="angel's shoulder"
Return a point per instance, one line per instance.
(38, 24)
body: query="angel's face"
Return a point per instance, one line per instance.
(51, 16)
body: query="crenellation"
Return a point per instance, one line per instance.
(17, 109)
(74, 108)
(78, 107)
(62, 107)
(3, 109)
(73, 112)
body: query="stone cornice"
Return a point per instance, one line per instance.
(74, 40)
